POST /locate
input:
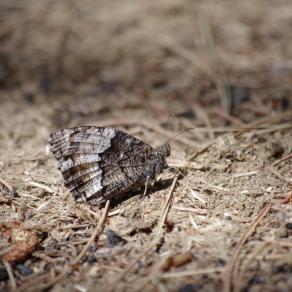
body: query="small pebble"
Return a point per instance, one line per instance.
(3, 274)
(23, 270)
(113, 238)
(190, 288)
(238, 95)
(91, 259)
(188, 114)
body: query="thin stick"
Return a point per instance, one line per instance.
(50, 283)
(11, 276)
(230, 267)
(278, 175)
(96, 232)
(205, 117)
(262, 122)
(288, 156)
(274, 129)
(154, 242)
(288, 198)
(258, 250)
(224, 115)
(192, 273)
(125, 272)
(165, 211)
(279, 242)
(159, 231)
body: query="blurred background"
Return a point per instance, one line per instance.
(154, 69)
(204, 62)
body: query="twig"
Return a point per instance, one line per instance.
(278, 175)
(11, 276)
(268, 121)
(86, 208)
(218, 188)
(42, 287)
(130, 267)
(157, 236)
(262, 122)
(251, 173)
(200, 151)
(5, 187)
(96, 232)
(159, 232)
(288, 156)
(279, 242)
(165, 211)
(224, 115)
(230, 267)
(274, 129)
(194, 224)
(192, 273)
(288, 198)
(237, 129)
(247, 264)
(40, 186)
(205, 117)
(74, 226)
(197, 196)
(192, 210)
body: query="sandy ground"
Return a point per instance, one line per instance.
(220, 218)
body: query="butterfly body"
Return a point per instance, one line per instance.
(98, 164)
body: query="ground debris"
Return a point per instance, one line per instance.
(22, 243)
(114, 238)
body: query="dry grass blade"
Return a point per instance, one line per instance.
(96, 232)
(50, 283)
(129, 268)
(228, 277)
(11, 276)
(263, 122)
(286, 157)
(192, 273)
(288, 198)
(165, 212)
(41, 186)
(279, 176)
(280, 243)
(156, 239)
(244, 268)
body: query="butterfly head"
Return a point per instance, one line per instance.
(156, 160)
(163, 150)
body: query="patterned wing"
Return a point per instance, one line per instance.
(95, 162)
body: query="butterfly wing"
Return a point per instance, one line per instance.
(98, 163)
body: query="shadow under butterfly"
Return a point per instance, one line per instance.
(99, 163)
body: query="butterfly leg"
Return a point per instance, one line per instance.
(146, 186)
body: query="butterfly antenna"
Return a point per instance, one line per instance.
(167, 122)
(178, 134)
(178, 171)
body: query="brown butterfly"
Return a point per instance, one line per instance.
(102, 163)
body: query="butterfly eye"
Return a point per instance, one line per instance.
(151, 157)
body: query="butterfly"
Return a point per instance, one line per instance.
(100, 163)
